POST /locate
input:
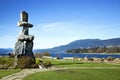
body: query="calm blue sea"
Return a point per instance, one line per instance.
(4, 54)
(81, 55)
(89, 55)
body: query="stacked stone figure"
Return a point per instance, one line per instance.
(24, 44)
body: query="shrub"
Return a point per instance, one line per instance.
(44, 64)
(25, 62)
(4, 66)
(34, 66)
(37, 55)
(11, 55)
(47, 64)
(38, 61)
(110, 59)
(6, 62)
(46, 54)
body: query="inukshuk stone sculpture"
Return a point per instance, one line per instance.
(24, 44)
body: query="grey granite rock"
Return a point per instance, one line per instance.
(24, 16)
(26, 37)
(19, 48)
(25, 24)
(28, 48)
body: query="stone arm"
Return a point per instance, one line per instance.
(26, 37)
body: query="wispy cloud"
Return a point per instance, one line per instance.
(59, 33)
(55, 27)
(49, 35)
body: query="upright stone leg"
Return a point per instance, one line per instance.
(19, 48)
(28, 50)
(19, 51)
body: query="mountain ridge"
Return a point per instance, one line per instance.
(83, 43)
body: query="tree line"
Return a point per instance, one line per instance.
(95, 50)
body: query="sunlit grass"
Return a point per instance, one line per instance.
(8, 72)
(70, 63)
(103, 73)
(77, 74)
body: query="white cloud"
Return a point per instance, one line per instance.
(49, 35)
(55, 27)
(46, 42)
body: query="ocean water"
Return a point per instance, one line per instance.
(89, 55)
(81, 55)
(4, 54)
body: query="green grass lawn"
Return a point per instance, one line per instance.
(103, 73)
(77, 74)
(8, 72)
(80, 64)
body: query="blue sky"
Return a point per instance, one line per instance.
(58, 22)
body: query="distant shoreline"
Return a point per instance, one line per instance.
(89, 55)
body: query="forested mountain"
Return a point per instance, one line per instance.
(5, 50)
(85, 43)
(109, 49)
